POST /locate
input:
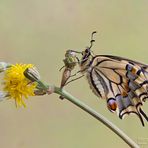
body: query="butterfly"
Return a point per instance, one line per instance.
(122, 82)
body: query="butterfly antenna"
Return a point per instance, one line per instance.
(92, 40)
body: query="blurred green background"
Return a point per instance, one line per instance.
(39, 32)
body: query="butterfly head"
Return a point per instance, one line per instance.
(72, 58)
(88, 53)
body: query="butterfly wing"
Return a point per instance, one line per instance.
(122, 82)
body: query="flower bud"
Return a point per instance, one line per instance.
(70, 60)
(32, 74)
(4, 66)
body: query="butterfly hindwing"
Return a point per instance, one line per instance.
(122, 82)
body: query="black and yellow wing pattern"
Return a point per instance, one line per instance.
(122, 82)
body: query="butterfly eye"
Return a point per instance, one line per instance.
(87, 50)
(112, 105)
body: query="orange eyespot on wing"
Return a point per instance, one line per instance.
(111, 104)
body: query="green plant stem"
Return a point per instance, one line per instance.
(96, 115)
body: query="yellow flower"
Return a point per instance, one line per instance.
(17, 85)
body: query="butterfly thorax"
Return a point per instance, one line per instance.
(86, 60)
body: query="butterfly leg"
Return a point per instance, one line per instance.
(74, 79)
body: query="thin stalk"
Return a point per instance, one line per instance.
(96, 115)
